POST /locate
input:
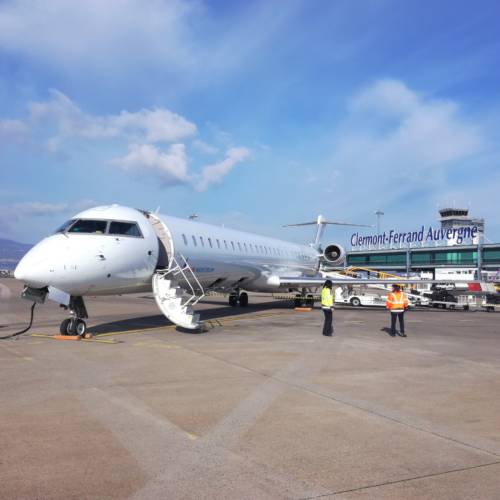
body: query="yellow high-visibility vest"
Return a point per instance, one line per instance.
(397, 301)
(326, 297)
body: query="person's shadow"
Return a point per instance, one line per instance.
(386, 330)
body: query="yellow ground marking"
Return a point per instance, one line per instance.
(139, 330)
(24, 358)
(218, 322)
(210, 322)
(155, 345)
(193, 437)
(41, 335)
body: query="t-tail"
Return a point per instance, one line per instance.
(321, 222)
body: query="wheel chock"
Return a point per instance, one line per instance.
(67, 337)
(88, 336)
(303, 309)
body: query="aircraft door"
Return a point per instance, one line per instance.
(165, 242)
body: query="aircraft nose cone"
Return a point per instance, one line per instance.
(20, 271)
(35, 267)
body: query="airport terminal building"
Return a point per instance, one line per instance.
(457, 243)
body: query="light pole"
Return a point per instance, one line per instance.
(379, 214)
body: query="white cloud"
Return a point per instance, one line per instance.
(100, 35)
(204, 148)
(37, 208)
(59, 120)
(12, 129)
(15, 218)
(213, 174)
(396, 142)
(171, 167)
(68, 120)
(386, 97)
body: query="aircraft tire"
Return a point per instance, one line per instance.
(80, 327)
(243, 299)
(233, 300)
(297, 301)
(64, 328)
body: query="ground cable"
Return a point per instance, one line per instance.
(12, 335)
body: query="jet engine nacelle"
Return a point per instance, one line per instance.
(334, 254)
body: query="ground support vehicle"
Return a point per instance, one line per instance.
(491, 302)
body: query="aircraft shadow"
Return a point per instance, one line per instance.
(158, 320)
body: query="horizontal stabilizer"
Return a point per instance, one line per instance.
(321, 222)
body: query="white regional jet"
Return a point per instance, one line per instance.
(116, 249)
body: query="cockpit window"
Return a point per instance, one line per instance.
(65, 226)
(124, 228)
(88, 226)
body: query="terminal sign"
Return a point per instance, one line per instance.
(425, 235)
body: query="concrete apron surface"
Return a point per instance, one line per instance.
(260, 406)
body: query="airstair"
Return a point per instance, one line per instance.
(175, 285)
(176, 291)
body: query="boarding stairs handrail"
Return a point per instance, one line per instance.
(177, 269)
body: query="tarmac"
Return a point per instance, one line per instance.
(261, 406)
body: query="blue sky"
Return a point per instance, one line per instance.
(251, 114)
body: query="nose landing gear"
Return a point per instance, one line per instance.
(75, 325)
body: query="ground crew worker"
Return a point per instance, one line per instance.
(327, 306)
(397, 303)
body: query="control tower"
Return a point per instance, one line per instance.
(455, 218)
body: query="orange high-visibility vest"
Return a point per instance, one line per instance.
(397, 302)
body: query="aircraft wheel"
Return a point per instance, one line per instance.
(243, 299)
(310, 300)
(80, 327)
(355, 302)
(233, 300)
(64, 329)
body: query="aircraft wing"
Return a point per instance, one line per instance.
(317, 281)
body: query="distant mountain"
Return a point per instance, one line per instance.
(11, 253)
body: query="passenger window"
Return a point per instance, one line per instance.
(194, 241)
(89, 226)
(184, 239)
(124, 229)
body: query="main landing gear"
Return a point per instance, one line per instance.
(75, 325)
(303, 299)
(236, 298)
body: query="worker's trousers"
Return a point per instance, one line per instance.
(327, 327)
(399, 315)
